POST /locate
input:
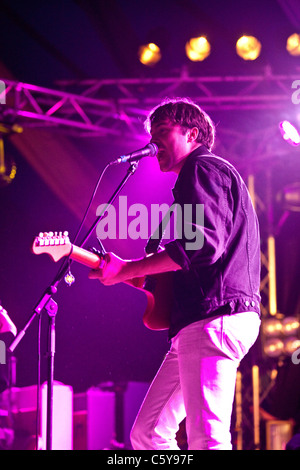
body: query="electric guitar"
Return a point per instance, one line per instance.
(156, 287)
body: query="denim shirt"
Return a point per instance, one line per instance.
(222, 276)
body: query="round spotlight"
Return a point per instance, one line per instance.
(149, 54)
(272, 327)
(273, 347)
(290, 326)
(289, 133)
(293, 44)
(197, 49)
(248, 47)
(291, 345)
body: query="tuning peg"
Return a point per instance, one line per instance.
(69, 279)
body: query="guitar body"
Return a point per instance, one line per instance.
(157, 288)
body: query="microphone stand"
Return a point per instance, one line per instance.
(46, 302)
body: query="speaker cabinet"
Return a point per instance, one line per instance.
(22, 403)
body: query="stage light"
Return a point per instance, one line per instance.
(293, 44)
(248, 47)
(8, 168)
(273, 347)
(272, 327)
(281, 336)
(197, 49)
(289, 133)
(149, 54)
(290, 326)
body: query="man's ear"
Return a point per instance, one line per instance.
(193, 134)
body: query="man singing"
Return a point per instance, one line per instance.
(215, 316)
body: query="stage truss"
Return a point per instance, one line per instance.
(117, 107)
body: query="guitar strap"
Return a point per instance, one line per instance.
(153, 244)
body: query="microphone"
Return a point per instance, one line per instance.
(149, 150)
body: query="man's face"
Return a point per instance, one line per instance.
(173, 145)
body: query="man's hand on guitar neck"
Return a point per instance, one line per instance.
(111, 271)
(117, 270)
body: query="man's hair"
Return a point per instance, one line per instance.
(186, 114)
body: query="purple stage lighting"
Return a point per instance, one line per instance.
(289, 133)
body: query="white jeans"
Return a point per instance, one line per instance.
(196, 380)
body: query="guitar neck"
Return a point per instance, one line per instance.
(57, 245)
(87, 258)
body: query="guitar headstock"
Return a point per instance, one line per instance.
(55, 244)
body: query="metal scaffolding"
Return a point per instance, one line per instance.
(116, 107)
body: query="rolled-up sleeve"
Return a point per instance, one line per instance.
(203, 193)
